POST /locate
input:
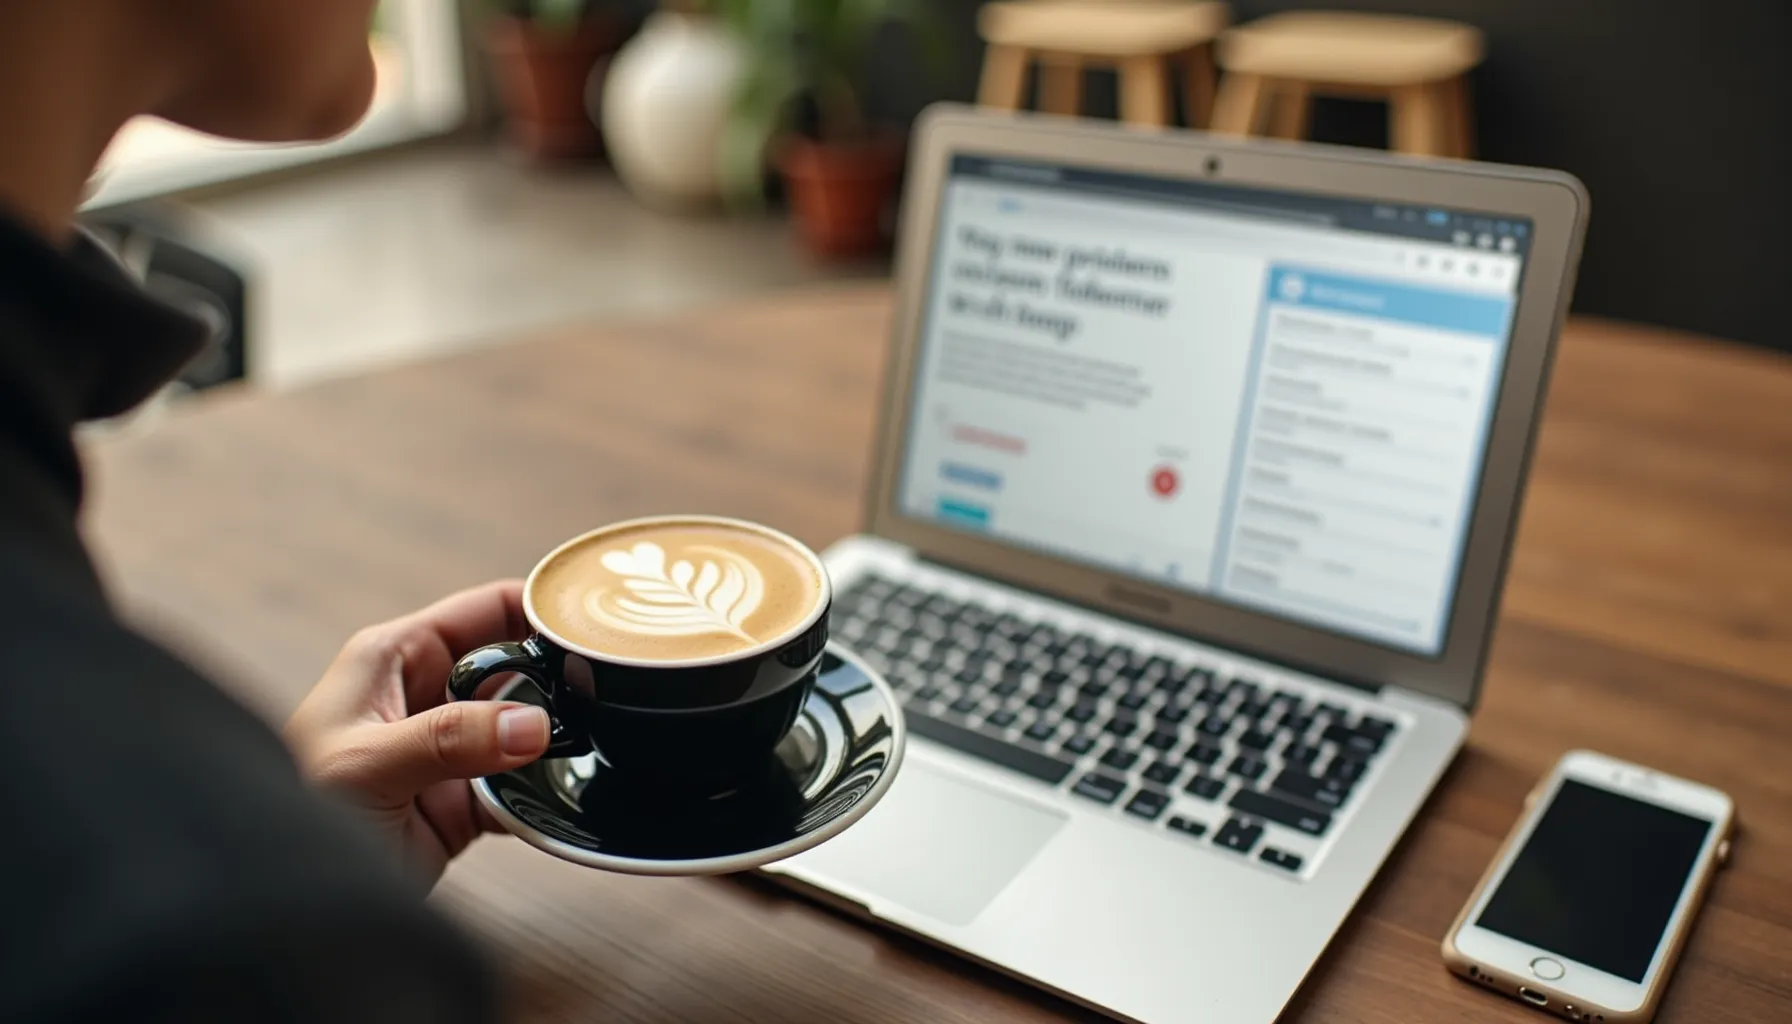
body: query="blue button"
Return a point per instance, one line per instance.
(963, 513)
(974, 476)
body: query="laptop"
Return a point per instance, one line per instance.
(1198, 468)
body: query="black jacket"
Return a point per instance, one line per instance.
(160, 858)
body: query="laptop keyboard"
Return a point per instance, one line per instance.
(1260, 769)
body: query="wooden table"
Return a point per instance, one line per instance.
(1649, 616)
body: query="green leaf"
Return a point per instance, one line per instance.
(559, 15)
(820, 49)
(754, 123)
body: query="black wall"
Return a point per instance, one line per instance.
(1676, 113)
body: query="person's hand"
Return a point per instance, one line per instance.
(376, 727)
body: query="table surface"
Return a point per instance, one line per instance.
(1649, 615)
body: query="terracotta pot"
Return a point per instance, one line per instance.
(838, 193)
(542, 78)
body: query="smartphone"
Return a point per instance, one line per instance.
(1587, 905)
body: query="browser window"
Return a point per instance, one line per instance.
(1276, 400)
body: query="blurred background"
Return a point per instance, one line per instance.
(536, 162)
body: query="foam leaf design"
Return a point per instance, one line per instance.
(711, 591)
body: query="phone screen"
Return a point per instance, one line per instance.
(1598, 879)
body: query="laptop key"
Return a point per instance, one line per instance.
(964, 705)
(1100, 788)
(1279, 858)
(1351, 741)
(1123, 725)
(1188, 826)
(1280, 811)
(1214, 725)
(1172, 714)
(1028, 762)
(1299, 753)
(1211, 697)
(1203, 676)
(1347, 769)
(1040, 731)
(1253, 709)
(1298, 725)
(1147, 804)
(1082, 711)
(1373, 726)
(927, 694)
(1133, 700)
(1001, 718)
(1238, 834)
(1321, 792)
(1079, 744)
(1205, 753)
(1255, 740)
(1119, 760)
(1164, 773)
(1247, 767)
(1207, 787)
(1162, 740)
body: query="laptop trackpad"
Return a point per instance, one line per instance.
(939, 844)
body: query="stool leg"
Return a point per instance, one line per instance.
(1289, 110)
(1418, 116)
(1239, 106)
(1145, 92)
(1061, 85)
(1198, 86)
(1461, 113)
(1004, 81)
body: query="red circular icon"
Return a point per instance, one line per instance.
(1165, 481)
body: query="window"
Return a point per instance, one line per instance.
(420, 91)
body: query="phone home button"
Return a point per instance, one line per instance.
(1547, 969)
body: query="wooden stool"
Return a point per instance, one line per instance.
(1274, 66)
(1142, 38)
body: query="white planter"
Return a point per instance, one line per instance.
(665, 102)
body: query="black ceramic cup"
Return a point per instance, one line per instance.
(695, 726)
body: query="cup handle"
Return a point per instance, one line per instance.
(529, 660)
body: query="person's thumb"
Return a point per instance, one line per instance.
(460, 740)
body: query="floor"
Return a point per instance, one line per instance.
(438, 248)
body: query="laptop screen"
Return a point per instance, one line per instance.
(1275, 400)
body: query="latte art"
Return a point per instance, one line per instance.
(671, 589)
(688, 598)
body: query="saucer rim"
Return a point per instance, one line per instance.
(731, 863)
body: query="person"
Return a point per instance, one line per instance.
(166, 856)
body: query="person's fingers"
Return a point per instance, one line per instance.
(422, 646)
(391, 762)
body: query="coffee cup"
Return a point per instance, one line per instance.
(679, 649)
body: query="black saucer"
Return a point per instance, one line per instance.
(838, 761)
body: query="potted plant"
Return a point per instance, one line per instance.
(544, 52)
(802, 101)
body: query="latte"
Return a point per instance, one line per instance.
(675, 589)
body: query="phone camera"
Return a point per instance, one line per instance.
(1213, 165)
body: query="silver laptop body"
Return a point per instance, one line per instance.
(1198, 468)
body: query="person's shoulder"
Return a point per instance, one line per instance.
(175, 858)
